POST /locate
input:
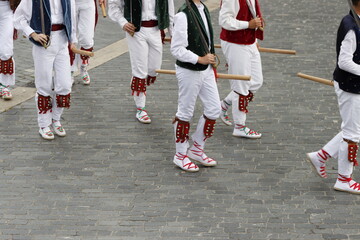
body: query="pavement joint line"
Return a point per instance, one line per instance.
(101, 56)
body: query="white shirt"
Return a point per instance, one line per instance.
(22, 16)
(116, 12)
(179, 41)
(347, 50)
(228, 13)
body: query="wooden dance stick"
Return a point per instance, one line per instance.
(261, 49)
(82, 52)
(219, 75)
(103, 10)
(316, 79)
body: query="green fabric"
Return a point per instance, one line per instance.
(194, 40)
(161, 11)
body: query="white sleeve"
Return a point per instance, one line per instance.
(73, 22)
(171, 16)
(116, 11)
(347, 50)
(22, 17)
(179, 40)
(227, 16)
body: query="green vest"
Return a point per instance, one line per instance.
(161, 12)
(194, 40)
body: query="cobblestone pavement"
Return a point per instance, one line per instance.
(112, 178)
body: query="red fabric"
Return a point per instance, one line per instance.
(246, 36)
(15, 34)
(150, 80)
(151, 23)
(352, 152)
(85, 59)
(209, 127)
(96, 14)
(182, 130)
(163, 35)
(57, 27)
(138, 85)
(44, 104)
(63, 101)
(7, 66)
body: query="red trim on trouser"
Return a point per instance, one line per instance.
(182, 130)
(85, 59)
(63, 101)
(44, 104)
(138, 85)
(7, 66)
(244, 101)
(150, 80)
(209, 127)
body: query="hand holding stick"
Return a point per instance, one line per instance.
(81, 52)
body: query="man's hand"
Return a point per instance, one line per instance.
(130, 28)
(102, 2)
(207, 59)
(255, 23)
(41, 38)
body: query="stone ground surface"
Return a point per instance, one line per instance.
(112, 178)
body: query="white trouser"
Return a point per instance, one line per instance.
(145, 49)
(349, 106)
(6, 40)
(191, 85)
(243, 60)
(52, 73)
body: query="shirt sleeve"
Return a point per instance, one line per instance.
(227, 16)
(179, 40)
(347, 50)
(22, 17)
(171, 16)
(116, 12)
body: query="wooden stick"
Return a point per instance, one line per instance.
(316, 79)
(261, 49)
(103, 10)
(82, 52)
(219, 75)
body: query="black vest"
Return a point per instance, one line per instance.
(348, 82)
(132, 13)
(194, 40)
(35, 21)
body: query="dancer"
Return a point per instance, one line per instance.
(193, 47)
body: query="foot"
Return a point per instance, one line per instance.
(85, 75)
(5, 92)
(345, 184)
(196, 153)
(58, 128)
(46, 133)
(142, 116)
(244, 131)
(183, 162)
(318, 163)
(223, 115)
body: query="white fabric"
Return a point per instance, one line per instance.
(116, 12)
(199, 136)
(243, 60)
(347, 50)
(193, 84)
(52, 71)
(85, 13)
(45, 120)
(22, 16)
(228, 13)
(239, 117)
(332, 147)
(145, 49)
(140, 100)
(345, 167)
(6, 40)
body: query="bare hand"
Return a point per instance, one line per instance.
(255, 23)
(130, 28)
(41, 38)
(207, 59)
(102, 2)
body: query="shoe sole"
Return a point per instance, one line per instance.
(46, 138)
(342, 190)
(144, 122)
(313, 166)
(247, 137)
(186, 170)
(204, 164)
